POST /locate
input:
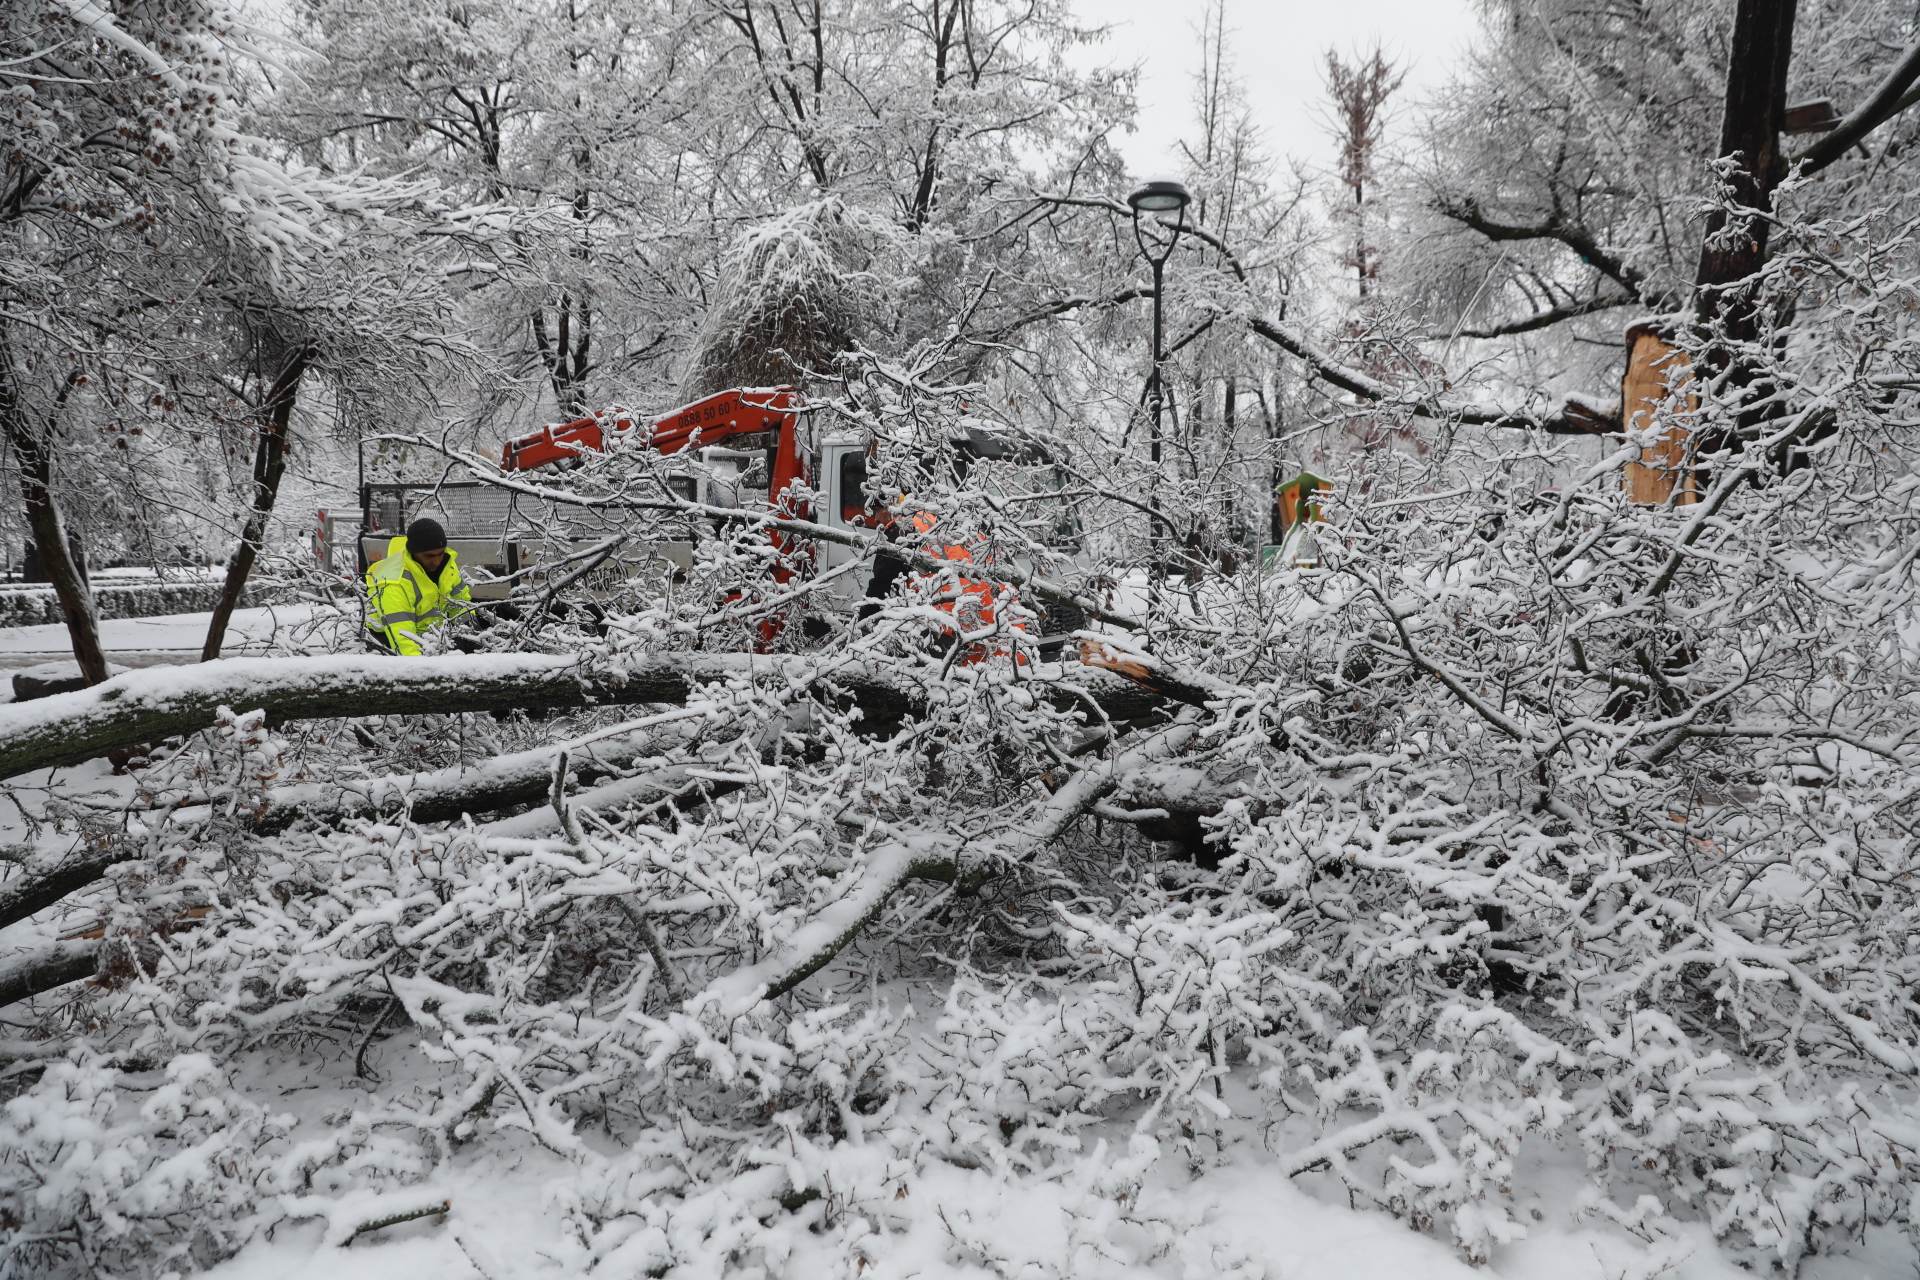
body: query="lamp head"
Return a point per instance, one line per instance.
(1163, 195)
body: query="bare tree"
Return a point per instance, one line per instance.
(34, 446)
(1360, 91)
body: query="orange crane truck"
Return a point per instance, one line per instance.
(772, 419)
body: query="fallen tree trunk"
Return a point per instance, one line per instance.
(442, 795)
(815, 944)
(41, 971)
(675, 783)
(36, 890)
(947, 860)
(160, 702)
(163, 702)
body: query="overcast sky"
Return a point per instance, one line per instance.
(1278, 48)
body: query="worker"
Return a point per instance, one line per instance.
(972, 603)
(416, 588)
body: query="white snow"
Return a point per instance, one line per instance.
(146, 642)
(1237, 1216)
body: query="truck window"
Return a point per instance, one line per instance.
(853, 481)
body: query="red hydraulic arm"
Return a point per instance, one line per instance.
(727, 416)
(721, 417)
(558, 443)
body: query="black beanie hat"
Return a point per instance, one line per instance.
(426, 534)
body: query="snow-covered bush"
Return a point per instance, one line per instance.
(116, 1182)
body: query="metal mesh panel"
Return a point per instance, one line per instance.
(479, 512)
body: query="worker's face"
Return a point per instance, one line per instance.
(432, 560)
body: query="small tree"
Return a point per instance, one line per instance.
(117, 205)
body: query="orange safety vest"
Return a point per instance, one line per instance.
(973, 608)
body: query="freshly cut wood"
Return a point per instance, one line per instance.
(1656, 370)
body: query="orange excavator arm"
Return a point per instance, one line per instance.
(718, 419)
(740, 417)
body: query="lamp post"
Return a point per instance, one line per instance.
(1158, 197)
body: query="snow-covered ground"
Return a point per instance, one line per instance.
(1237, 1217)
(147, 642)
(123, 575)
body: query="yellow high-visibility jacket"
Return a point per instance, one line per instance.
(404, 601)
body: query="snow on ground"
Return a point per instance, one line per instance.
(1238, 1218)
(122, 576)
(146, 642)
(500, 1227)
(1235, 1217)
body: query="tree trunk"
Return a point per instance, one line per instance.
(269, 464)
(565, 353)
(441, 796)
(150, 705)
(37, 972)
(438, 795)
(34, 453)
(1735, 247)
(36, 889)
(1750, 135)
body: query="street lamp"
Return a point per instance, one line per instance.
(1158, 197)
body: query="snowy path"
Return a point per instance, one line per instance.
(175, 638)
